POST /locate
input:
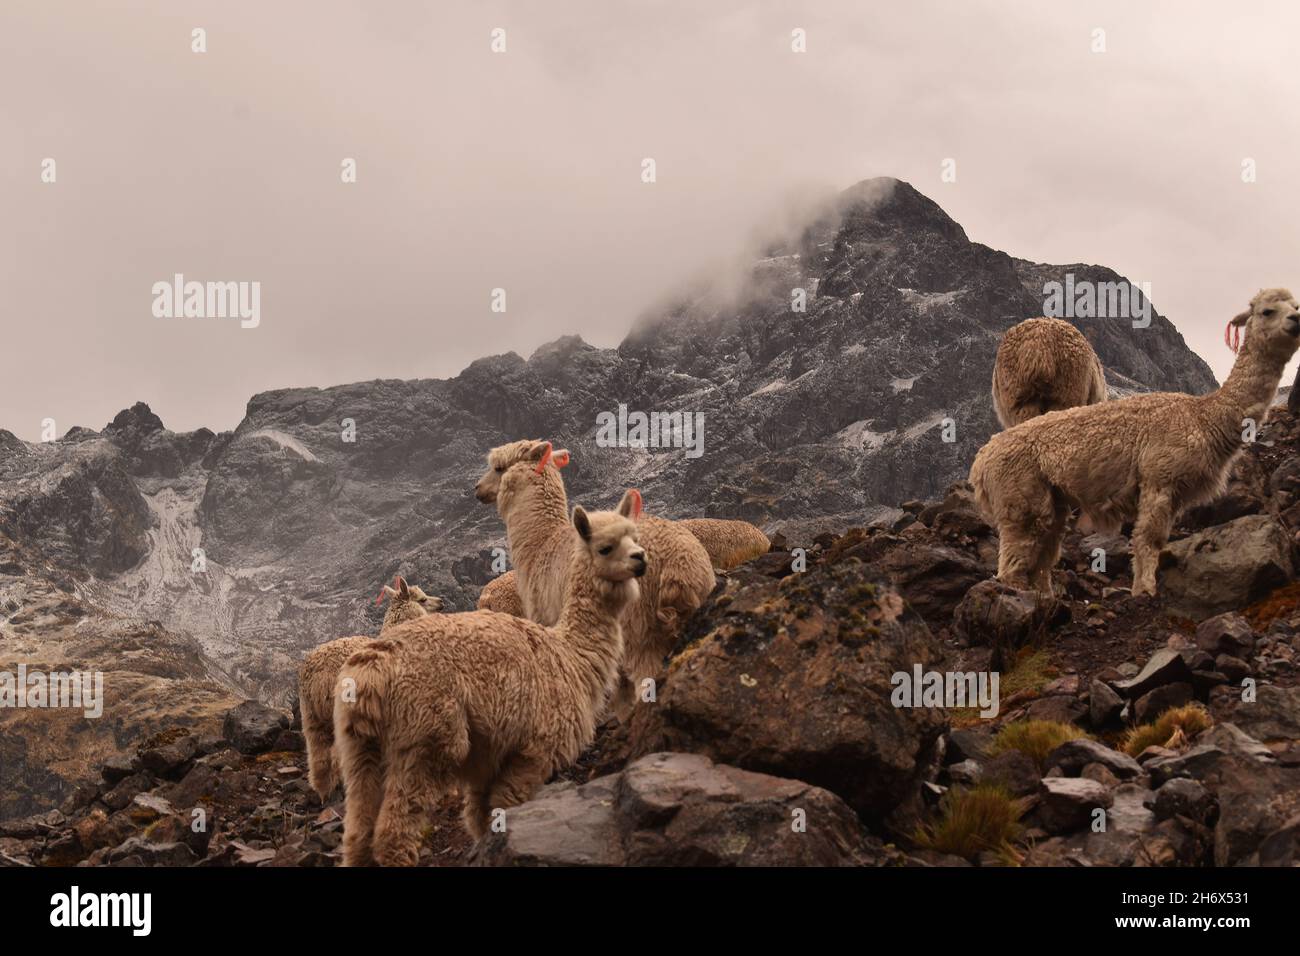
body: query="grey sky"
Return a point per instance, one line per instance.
(522, 170)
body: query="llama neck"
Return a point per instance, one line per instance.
(590, 625)
(1249, 389)
(533, 524)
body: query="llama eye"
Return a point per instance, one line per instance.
(1269, 311)
(500, 470)
(607, 549)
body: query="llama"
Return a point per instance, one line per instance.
(1044, 365)
(321, 668)
(501, 594)
(729, 543)
(1143, 459)
(492, 702)
(523, 479)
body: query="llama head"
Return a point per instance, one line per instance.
(608, 544)
(408, 602)
(1272, 324)
(537, 454)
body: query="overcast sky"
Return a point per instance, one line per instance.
(522, 170)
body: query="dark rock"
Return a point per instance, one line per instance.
(1166, 666)
(1073, 755)
(1104, 705)
(1002, 617)
(1060, 708)
(1226, 634)
(680, 810)
(1068, 803)
(1226, 567)
(1233, 668)
(1274, 715)
(126, 789)
(1159, 699)
(1185, 797)
(150, 853)
(253, 727)
(169, 761)
(966, 744)
(116, 769)
(831, 639)
(1015, 771)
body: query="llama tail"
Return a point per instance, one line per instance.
(360, 692)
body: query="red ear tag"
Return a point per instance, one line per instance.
(379, 598)
(560, 458)
(1232, 337)
(541, 465)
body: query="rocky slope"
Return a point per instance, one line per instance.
(812, 421)
(772, 738)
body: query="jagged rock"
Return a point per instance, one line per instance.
(831, 639)
(1015, 771)
(169, 761)
(674, 809)
(1233, 668)
(1104, 705)
(126, 789)
(1281, 847)
(1273, 716)
(1255, 802)
(1068, 802)
(932, 577)
(253, 727)
(1059, 708)
(966, 744)
(1159, 699)
(1225, 634)
(1184, 797)
(115, 769)
(1073, 755)
(1226, 567)
(1166, 666)
(1004, 618)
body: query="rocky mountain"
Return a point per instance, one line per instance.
(776, 737)
(252, 546)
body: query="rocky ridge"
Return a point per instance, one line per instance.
(772, 738)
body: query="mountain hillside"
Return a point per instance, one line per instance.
(250, 547)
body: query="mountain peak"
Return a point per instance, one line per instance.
(138, 418)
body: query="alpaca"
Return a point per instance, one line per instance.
(728, 544)
(523, 480)
(492, 702)
(1144, 458)
(321, 668)
(501, 594)
(1044, 365)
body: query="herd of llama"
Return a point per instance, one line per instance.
(496, 700)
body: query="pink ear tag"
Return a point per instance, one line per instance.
(560, 458)
(637, 504)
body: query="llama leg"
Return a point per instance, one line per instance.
(363, 781)
(518, 780)
(412, 783)
(1026, 519)
(322, 764)
(477, 812)
(1049, 549)
(1155, 518)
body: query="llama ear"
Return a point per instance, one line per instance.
(544, 452)
(541, 448)
(1240, 318)
(403, 589)
(630, 506)
(582, 523)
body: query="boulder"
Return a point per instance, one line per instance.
(1159, 699)
(1073, 755)
(1166, 666)
(1226, 634)
(671, 809)
(1068, 803)
(253, 727)
(996, 615)
(1226, 567)
(1104, 705)
(797, 678)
